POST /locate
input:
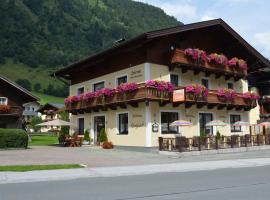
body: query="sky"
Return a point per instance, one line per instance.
(250, 18)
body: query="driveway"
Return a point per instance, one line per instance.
(97, 157)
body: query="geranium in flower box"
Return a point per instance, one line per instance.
(196, 92)
(126, 91)
(251, 97)
(219, 59)
(162, 89)
(197, 55)
(4, 108)
(226, 95)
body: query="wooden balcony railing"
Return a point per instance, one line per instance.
(10, 110)
(180, 59)
(147, 94)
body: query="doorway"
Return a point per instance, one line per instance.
(99, 124)
(204, 118)
(81, 126)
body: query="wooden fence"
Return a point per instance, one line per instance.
(196, 143)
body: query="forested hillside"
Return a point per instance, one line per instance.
(38, 36)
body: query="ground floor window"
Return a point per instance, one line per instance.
(233, 119)
(166, 119)
(204, 118)
(81, 126)
(123, 123)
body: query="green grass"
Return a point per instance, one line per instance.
(40, 140)
(25, 168)
(47, 98)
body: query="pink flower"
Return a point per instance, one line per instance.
(250, 95)
(233, 61)
(151, 83)
(242, 64)
(228, 94)
(127, 87)
(88, 96)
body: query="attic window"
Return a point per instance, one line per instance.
(3, 101)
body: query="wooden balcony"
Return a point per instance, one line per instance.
(214, 101)
(179, 59)
(11, 111)
(147, 94)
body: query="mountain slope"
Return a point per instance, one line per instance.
(46, 34)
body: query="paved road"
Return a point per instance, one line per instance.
(222, 184)
(96, 157)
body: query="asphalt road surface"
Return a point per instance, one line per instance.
(229, 184)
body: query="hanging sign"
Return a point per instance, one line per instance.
(179, 95)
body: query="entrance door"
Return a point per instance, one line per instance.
(81, 126)
(99, 123)
(204, 118)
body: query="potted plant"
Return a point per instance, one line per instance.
(86, 138)
(102, 136)
(197, 55)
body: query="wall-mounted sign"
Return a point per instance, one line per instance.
(136, 73)
(179, 95)
(155, 127)
(137, 125)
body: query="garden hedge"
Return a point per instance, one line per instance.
(13, 138)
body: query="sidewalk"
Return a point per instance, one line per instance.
(68, 174)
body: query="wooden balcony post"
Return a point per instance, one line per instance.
(190, 143)
(216, 140)
(258, 139)
(245, 139)
(160, 143)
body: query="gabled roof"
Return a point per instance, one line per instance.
(56, 106)
(145, 37)
(19, 88)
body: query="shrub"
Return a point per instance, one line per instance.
(103, 135)
(86, 135)
(107, 145)
(13, 138)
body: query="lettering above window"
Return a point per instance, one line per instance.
(3, 101)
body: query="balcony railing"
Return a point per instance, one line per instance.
(10, 110)
(147, 94)
(179, 58)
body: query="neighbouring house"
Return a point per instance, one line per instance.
(12, 99)
(134, 90)
(30, 111)
(260, 79)
(50, 111)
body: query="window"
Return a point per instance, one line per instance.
(123, 123)
(174, 79)
(98, 86)
(166, 119)
(230, 86)
(205, 82)
(204, 118)
(233, 119)
(80, 90)
(120, 80)
(3, 101)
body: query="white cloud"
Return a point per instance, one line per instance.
(183, 10)
(262, 42)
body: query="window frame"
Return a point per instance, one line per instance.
(93, 85)
(6, 101)
(169, 131)
(118, 77)
(208, 82)
(232, 85)
(80, 87)
(178, 79)
(118, 123)
(233, 129)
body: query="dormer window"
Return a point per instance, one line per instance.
(3, 101)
